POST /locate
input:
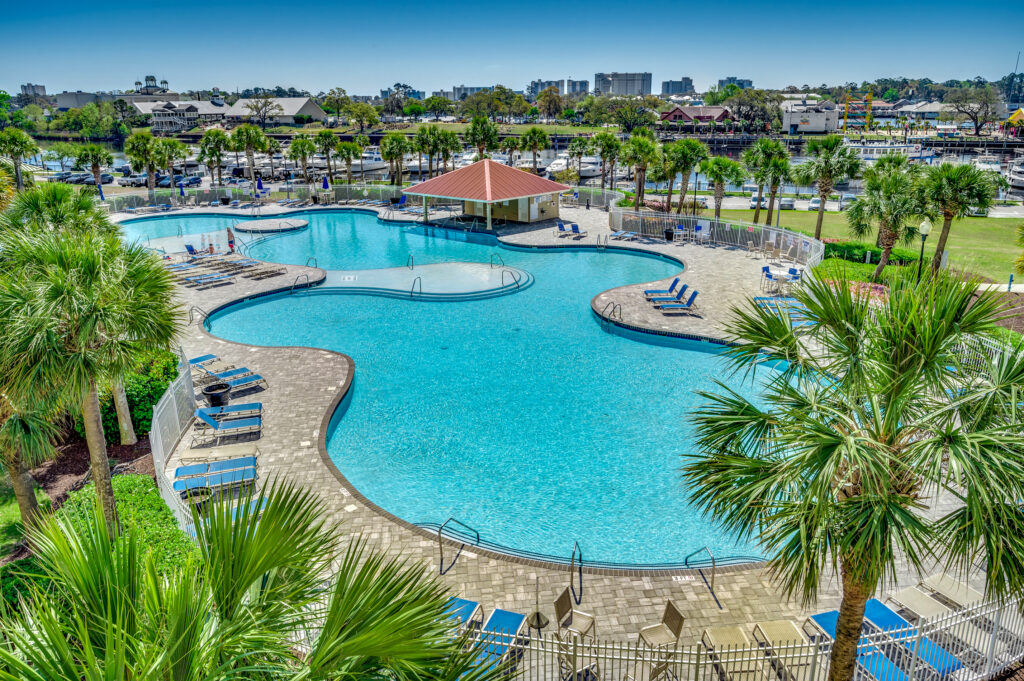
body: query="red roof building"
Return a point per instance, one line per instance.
(495, 191)
(701, 114)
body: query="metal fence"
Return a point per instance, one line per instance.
(172, 417)
(969, 644)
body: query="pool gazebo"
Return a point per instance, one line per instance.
(495, 191)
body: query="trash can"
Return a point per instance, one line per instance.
(225, 201)
(217, 394)
(669, 233)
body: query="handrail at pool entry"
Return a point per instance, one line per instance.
(312, 259)
(456, 534)
(576, 549)
(515, 278)
(412, 291)
(191, 313)
(713, 564)
(410, 262)
(615, 308)
(300, 276)
(500, 260)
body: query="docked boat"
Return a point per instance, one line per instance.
(1015, 174)
(369, 162)
(988, 162)
(872, 151)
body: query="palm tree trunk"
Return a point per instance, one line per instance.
(757, 208)
(251, 157)
(124, 414)
(821, 217)
(848, 629)
(604, 167)
(684, 187)
(96, 174)
(611, 181)
(719, 195)
(22, 484)
(771, 204)
(98, 461)
(941, 246)
(18, 182)
(348, 170)
(330, 168)
(668, 201)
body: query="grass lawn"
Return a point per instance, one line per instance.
(10, 518)
(986, 246)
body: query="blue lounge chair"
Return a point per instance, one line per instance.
(870, 658)
(213, 475)
(676, 308)
(663, 291)
(246, 508)
(232, 464)
(218, 429)
(562, 231)
(576, 230)
(235, 203)
(669, 299)
(196, 254)
(466, 612)
(246, 382)
(222, 278)
(887, 620)
(503, 629)
(623, 235)
(203, 359)
(224, 375)
(233, 411)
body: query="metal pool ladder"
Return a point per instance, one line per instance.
(576, 562)
(296, 282)
(516, 278)
(501, 260)
(462, 545)
(705, 549)
(412, 291)
(410, 262)
(191, 314)
(616, 311)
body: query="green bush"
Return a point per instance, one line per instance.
(143, 387)
(138, 505)
(854, 252)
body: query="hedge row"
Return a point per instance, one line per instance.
(855, 252)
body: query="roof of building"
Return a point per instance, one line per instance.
(486, 181)
(698, 111)
(290, 106)
(201, 107)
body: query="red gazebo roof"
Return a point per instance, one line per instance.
(487, 182)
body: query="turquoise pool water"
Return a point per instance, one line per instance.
(518, 415)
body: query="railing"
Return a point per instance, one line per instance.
(311, 259)
(714, 567)
(970, 644)
(410, 262)
(501, 260)
(172, 417)
(193, 310)
(412, 291)
(458, 535)
(576, 562)
(516, 278)
(616, 310)
(296, 282)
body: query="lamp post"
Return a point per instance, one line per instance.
(923, 230)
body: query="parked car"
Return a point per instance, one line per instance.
(787, 203)
(62, 176)
(165, 181)
(847, 200)
(193, 181)
(105, 178)
(814, 204)
(702, 201)
(78, 178)
(753, 201)
(138, 180)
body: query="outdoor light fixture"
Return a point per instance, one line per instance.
(924, 230)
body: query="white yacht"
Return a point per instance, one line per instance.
(1015, 173)
(871, 151)
(369, 162)
(525, 162)
(988, 162)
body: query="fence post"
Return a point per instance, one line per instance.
(991, 655)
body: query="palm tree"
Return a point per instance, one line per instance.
(482, 134)
(510, 145)
(449, 145)
(952, 192)
(577, 149)
(166, 151)
(607, 146)
(301, 148)
(534, 139)
(139, 150)
(7, 187)
(889, 203)
(829, 162)
(214, 144)
(756, 158)
(393, 148)
(683, 156)
(832, 475)
(17, 145)
(776, 172)
(639, 152)
(423, 143)
(241, 609)
(76, 309)
(274, 147)
(250, 139)
(26, 439)
(55, 206)
(721, 171)
(325, 142)
(93, 157)
(347, 152)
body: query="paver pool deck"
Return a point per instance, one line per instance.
(305, 384)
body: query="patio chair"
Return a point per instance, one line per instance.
(733, 653)
(680, 308)
(969, 633)
(501, 632)
(233, 411)
(467, 613)
(576, 230)
(207, 476)
(208, 454)
(247, 382)
(562, 231)
(884, 619)
(663, 291)
(666, 632)
(952, 590)
(572, 620)
(216, 280)
(702, 234)
(753, 250)
(790, 651)
(208, 375)
(210, 428)
(870, 659)
(649, 670)
(570, 668)
(656, 300)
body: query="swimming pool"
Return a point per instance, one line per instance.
(520, 416)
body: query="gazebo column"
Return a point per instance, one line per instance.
(488, 217)
(426, 215)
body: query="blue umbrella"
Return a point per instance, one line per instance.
(326, 186)
(259, 183)
(181, 188)
(100, 187)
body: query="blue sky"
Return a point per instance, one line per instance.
(433, 45)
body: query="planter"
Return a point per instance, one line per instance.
(217, 394)
(669, 232)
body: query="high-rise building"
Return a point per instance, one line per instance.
(33, 90)
(537, 86)
(413, 94)
(741, 83)
(573, 87)
(622, 83)
(460, 92)
(683, 86)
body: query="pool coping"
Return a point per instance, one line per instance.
(638, 570)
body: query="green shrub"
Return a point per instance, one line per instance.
(17, 576)
(140, 505)
(854, 252)
(143, 387)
